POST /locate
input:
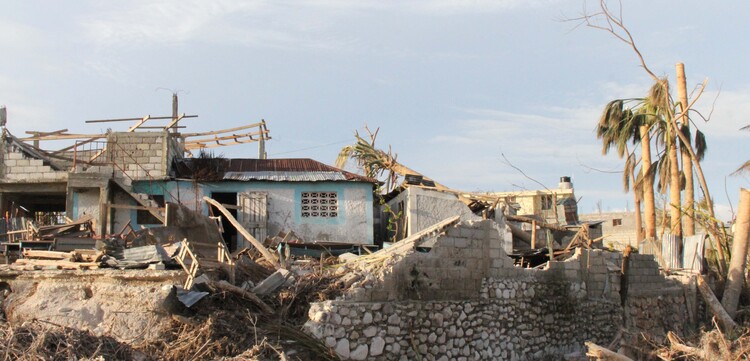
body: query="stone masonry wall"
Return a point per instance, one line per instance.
(457, 296)
(141, 155)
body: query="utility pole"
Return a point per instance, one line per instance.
(175, 112)
(687, 164)
(262, 141)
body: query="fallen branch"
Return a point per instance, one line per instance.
(678, 346)
(228, 287)
(714, 305)
(601, 353)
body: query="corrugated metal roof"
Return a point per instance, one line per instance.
(277, 170)
(311, 176)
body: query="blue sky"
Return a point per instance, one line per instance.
(452, 84)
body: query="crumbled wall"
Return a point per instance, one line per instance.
(22, 169)
(465, 298)
(127, 305)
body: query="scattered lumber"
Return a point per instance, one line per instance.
(36, 254)
(601, 353)
(79, 255)
(60, 264)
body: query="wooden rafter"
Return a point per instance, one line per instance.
(138, 124)
(43, 134)
(187, 135)
(76, 145)
(174, 121)
(64, 136)
(133, 119)
(217, 138)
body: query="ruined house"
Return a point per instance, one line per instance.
(451, 292)
(124, 178)
(556, 205)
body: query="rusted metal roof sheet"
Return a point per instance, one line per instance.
(283, 176)
(276, 170)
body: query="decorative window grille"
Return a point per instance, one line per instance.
(320, 204)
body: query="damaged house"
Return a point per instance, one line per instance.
(123, 179)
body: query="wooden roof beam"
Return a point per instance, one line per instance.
(215, 132)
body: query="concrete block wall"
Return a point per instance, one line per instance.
(22, 169)
(141, 155)
(464, 299)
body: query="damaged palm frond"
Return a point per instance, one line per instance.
(375, 162)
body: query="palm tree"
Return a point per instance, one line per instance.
(620, 125)
(375, 162)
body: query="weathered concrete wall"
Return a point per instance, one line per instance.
(425, 207)
(352, 225)
(86, 202)
(127, 305)
(465, 299)
(617, 236)
(428, 207)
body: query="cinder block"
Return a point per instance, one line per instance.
(461, 243)
(15, 155)
(9, 162)
(498, 263)
(36, 162)
(454, 232)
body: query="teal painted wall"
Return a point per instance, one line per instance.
(354, 223)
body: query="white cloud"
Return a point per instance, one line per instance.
(278, 24)
(730, 113)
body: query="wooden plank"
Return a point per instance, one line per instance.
(249, 237)
(136, 125)
(221, 131)
(54, 132)
(173, 122)
(58, 263)
(64, 136)
(76, 145)
(30, 253)
(132, 119)
(226, 137)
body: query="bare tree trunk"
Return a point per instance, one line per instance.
(687, 165)
(675, 204)
(736, 274)
(638, 220)
(649, 204)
